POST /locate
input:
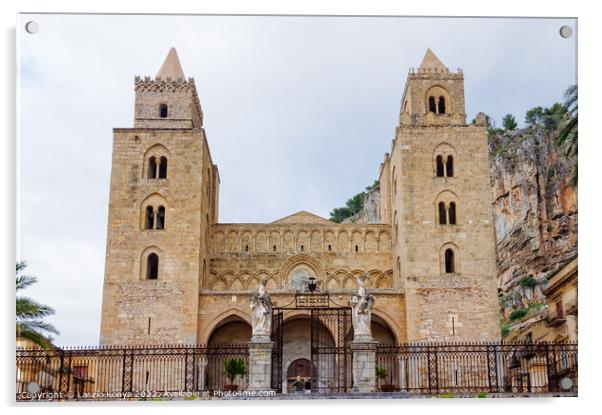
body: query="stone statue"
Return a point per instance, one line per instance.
(361, 312)
(261, 313)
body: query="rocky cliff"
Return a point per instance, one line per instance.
(370, 213)
(535, 212)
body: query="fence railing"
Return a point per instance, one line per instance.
(438, 368)
(176, 371)
(125, 372)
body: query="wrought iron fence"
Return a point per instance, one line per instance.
(109, 373)
(438, 368)
(144, 372)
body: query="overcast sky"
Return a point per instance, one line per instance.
(299, 112)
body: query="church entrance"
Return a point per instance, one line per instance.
(312, 346)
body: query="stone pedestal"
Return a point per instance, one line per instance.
(364, 364)
(260, 363)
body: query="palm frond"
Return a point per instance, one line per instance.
(37, 338)
(24, 281)
(35, 325)
(28, 308)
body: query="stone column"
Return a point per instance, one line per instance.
(260, 364)
(364, 365)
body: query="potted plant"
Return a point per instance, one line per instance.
(381, 374)
(233, 367)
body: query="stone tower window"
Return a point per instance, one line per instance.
(452, 213)
(152, 168)
(441, 105)
(450, 266)
(449, 166)
(163, 110)
(439, 162)
(152, 266)
(163, 168)
(442, 214)
(432, 104)
(161, 217)
(149, 218)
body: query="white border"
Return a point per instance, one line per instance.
(589, 173)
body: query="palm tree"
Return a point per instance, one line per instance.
(569, 133)
(30, 313)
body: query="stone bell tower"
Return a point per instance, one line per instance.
(163, 200)
(438, 199)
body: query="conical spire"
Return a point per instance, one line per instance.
(432, 61)
(171, 67)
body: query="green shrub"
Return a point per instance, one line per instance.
(505, 330)
(528, 281)
(234, 367)
(482, 395)
(518, 314)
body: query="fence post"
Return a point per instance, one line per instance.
(126, 383)
(492, 371)
(551, 367)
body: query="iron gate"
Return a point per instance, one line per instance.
(330, 335)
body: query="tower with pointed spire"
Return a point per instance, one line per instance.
(168, 99)
(163, 200)
(433, 95)
(435, 192)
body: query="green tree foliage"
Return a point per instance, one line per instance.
(518, 314)
(568, 129)
(509, 122)
(534, 116)
(234, 367)
(30, 314)
(353, 205)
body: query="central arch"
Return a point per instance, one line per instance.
(296, 346)
(300, 262)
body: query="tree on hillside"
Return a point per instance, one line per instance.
(509, 122)
(30, 314)
(534, 116)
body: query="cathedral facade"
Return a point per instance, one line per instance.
(175, 275)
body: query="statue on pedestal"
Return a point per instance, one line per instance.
(261, 314)
(361, 312)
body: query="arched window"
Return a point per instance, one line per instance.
(152, 266)
(450, 266)
(149, 218)
(152, 168)
(163, 110)
(432, 105)
(441, 105)
(439, 162)
(449, 166)
(161, 217)
(163, 168)
(442, 219)
(452, 213)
